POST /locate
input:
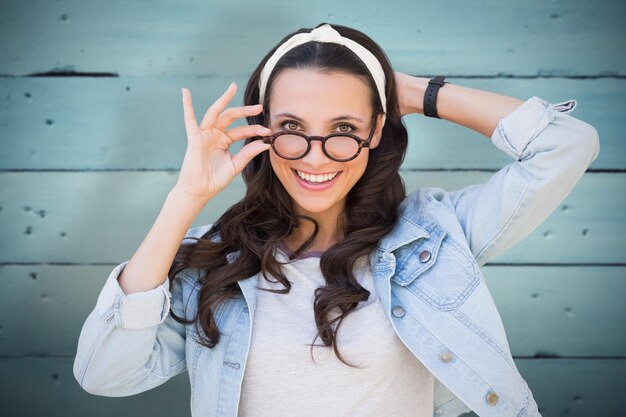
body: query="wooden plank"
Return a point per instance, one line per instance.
(561, 311)
(95, 217)
(575, 387)
(561, 387)
(58, 394)
(64, 231)
(81, 123)
(208, 38)
(547, 311)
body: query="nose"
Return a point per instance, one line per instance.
(316, 155)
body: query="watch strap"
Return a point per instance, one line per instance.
(430, 96)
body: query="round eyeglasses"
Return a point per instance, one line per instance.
(340, 147)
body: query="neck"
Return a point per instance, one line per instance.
(328, 234)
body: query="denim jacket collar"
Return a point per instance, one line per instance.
(404, 232)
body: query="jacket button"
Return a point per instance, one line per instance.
(424, 256)
(446, 356)
(398, 311)
(492, 398)
(438, 410)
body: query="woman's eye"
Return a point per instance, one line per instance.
(290, 123)
(347, 131)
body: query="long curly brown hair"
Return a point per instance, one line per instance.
(256, 224)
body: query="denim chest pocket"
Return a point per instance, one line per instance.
(437, 269)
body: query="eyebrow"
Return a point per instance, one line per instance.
(344, 117)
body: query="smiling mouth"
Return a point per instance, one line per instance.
(329, 179)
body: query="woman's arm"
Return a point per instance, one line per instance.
(476, 109)
(130, 343)
(552, 150)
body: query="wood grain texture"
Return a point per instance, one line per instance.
(530, 38)
(563, 387)
(92, 137)
(92, 217)
(554, 311)
(79, 123)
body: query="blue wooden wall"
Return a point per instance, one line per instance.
(92, 137)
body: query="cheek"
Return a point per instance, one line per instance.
(275, 161)
(281, 171)
(358, 165)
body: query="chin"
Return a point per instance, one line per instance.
(312, 206)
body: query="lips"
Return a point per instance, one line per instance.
(313, 174)
(315, 186)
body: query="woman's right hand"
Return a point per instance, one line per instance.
(208, 167)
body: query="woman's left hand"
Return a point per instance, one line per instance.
(410, 93)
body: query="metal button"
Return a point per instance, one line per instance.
(425, 256)
(380, 259)
(398, 311)
(492, 398)
(446, 356)
(438, 410)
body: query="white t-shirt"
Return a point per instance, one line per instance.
(281, 379)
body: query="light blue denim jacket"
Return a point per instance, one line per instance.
(427, 273)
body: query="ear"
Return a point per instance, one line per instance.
(380, 119)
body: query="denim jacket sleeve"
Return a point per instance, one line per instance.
(130, 343)
(552, 151)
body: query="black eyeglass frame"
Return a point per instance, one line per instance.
(362, 143)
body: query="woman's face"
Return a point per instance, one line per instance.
(313, 99)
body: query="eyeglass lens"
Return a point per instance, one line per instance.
(294, 146)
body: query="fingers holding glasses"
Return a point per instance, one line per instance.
(244, 132)
(228, 116)
(208, 166)
(220, 117)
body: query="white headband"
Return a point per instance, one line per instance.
(326, 33)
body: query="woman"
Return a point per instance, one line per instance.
(335, 248)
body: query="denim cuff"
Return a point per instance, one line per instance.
(138, 310)
(516, 130)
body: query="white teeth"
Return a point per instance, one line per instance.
(317, 178)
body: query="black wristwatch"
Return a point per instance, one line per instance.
(430, 96)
